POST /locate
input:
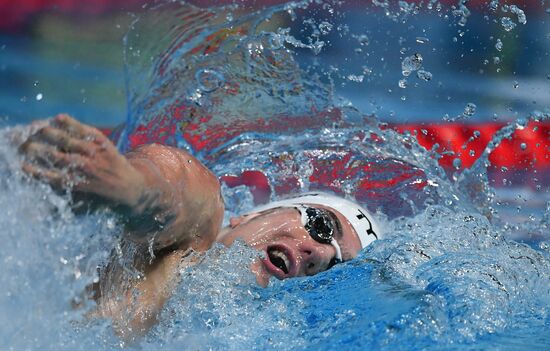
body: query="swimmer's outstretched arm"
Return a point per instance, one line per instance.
(166, 195)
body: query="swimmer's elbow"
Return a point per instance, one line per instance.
(189, 208)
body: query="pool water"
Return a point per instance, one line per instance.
(279, 90)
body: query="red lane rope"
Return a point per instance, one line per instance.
(523, 159)
(527, 149)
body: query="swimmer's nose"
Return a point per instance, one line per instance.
(315, 257)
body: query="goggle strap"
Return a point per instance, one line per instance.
(334, 243)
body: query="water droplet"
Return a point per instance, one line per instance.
(325, 28)
(367, 71)
(523, 146)
(411, 63)
(457, 163)
(424, 75)
(519, 13)
(422, 40)
(355, 78)
(402, 83)
(39, 96)
(507, 23)
(498, 45)
(362, 39)
(209, 80)
(470, 109)
(521, 123)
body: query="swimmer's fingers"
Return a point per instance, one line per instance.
(48, 155)
(62, 140)
(55, 178)
(77, 129)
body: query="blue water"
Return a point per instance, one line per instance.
(444, 277)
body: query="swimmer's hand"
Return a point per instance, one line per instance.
(165, 195)
(70, 155)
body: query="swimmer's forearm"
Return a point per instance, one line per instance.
(180, 202)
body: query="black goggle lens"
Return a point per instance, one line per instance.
(319, 225)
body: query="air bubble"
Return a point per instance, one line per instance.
(39, 96)
(402, 83)
(516, 84)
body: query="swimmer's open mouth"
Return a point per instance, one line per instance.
(279, 259)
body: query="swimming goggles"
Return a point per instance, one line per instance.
(320, 226)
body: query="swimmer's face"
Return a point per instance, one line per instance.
(289, 249)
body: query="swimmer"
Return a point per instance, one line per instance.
(171, 205)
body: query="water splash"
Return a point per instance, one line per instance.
(226, 84)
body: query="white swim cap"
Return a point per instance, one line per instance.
(360, 219)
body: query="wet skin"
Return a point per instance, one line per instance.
(169, 198)
(288, 250)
